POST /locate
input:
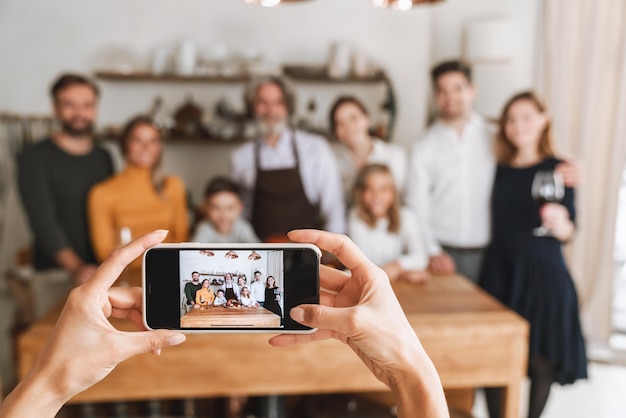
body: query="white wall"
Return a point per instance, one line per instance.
(42, 38)
(448, 23)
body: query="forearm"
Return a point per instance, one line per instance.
(418, 388)
(564, 231)
(413, 261)
(68, 260)
(31, 399)
(393, 270)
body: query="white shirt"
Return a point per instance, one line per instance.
(450, 182)
(247, 301)
(241, 231)
(257, 290)
(383, 247)
(318, 171)
(219, 301)
(391, 155)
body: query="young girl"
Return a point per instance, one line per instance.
(246, 298)
(387, 233)
(528, 272)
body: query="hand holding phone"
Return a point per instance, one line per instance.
(259, 283)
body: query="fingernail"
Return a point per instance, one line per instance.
(158, 352)
(162, 232)
(297, 314)
(176, 339)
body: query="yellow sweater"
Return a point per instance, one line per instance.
(205, 294)
(128, 201)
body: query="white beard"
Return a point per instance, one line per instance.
(266, 130)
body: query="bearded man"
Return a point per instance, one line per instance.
(55, 175)
(289, 177)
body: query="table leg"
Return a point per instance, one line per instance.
(461, 400)
(511, 400)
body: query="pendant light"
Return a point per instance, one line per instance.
(271, 3)
(401, 5)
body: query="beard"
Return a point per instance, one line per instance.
(265, 129)
(74, 127)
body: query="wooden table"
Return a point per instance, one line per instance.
(219, 317)
(472, 339)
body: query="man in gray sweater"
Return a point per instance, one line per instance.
(54, 178)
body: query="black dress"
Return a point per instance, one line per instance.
(270, 300)
(528, 273)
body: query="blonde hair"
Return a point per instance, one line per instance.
(359, 188)
(505, 150)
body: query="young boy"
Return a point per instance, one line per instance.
(220, 299)
(222, 209)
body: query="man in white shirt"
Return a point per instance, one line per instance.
(257, 288)
(451, 175)
(290, 178)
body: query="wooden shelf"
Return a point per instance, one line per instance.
(140, 76)
(300, 77)
(316, 73)
(169, 140)
(204, 141)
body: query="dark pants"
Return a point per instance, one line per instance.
(469, 262)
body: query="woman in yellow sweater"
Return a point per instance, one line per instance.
(204, 296)
(139, 199)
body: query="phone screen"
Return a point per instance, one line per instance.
(217, 288)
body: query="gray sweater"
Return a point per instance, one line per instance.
(54, 187)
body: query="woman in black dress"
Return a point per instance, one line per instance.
(272, 296)
(527, 272)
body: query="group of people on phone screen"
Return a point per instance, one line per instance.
(230, 293)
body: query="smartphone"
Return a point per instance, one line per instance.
(203, 288)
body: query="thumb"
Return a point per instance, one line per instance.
(150, 341)
(324, 317)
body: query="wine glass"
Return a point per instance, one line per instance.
(547, 187)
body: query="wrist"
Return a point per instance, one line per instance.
(33, 397)
(565, 231)
(418, 388)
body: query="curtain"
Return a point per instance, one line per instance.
(275, 266)
(581, 73)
